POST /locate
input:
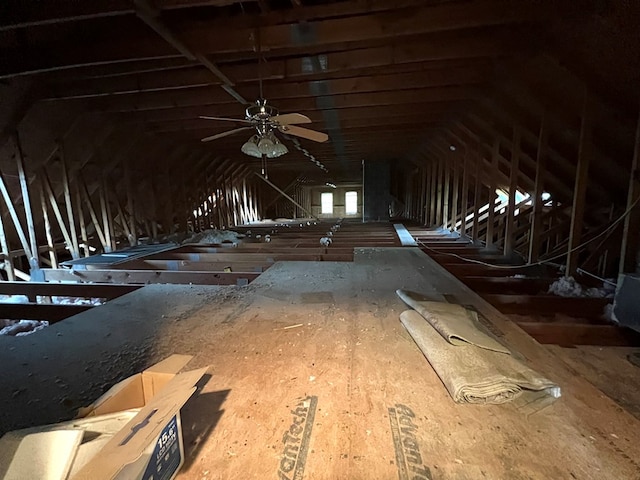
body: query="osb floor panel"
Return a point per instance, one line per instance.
(344, 395)
(609, 369)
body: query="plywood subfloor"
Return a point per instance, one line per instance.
(323, 337)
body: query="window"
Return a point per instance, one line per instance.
(351, 203)
(326, 199)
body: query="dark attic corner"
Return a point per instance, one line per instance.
(313, 239)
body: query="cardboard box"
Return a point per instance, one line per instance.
(131, 432)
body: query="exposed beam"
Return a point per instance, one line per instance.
(150, 15)
(199, 80)
(136, 45)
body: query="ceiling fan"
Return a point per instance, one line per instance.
(266, 119)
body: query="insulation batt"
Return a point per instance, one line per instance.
(23, 327)
(325, 241)
(215, 236)
(569, 287)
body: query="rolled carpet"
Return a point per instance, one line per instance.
(455, 323)
(472, 374)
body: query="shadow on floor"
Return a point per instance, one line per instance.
(199, 418)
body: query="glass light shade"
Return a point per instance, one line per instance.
(251, 148)
(278, 150)
(265, 145)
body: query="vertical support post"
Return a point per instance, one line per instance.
(184, 204)
(167, 199)
(439, 182)
(83, 227)
(133, 229)
(432, 196)
(8, 261)
(209, 199)
(34, 260)
(423, 200)
(475, 233)
(427, 194)
(75, 249)
(454, 196)
(491, 214)
(513, 186)
(465, 193)
(538, 189)
(580, 188)
(153, 186)
(105, 212)
(94, 218)
(123, 218)
(629, 253)
(46, 185)
(447, 181)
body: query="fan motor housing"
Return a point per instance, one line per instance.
(260, 111)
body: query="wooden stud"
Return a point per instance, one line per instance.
(124, 227)
(580, 189)
(94, 218)
(536, 218)
(153, 191)
(53, 258)
(439, 191)
(491, 214)
(14, 217)
(432, 192)
(447, 181)
(454, 196)
(75, 249)
(513, 186)
(107, 215)
(131, 205)
(83, 227)
(476, 196)
(46, 186)
(465, 193)
(629, 250)
(6, 253)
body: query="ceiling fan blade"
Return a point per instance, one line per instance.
(290, 119)
(239, 120)
(304, 133)
(224, 134)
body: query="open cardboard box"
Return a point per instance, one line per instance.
(131, 432)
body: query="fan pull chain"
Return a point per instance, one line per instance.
(264, 167)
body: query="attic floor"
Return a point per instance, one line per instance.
(347, 351)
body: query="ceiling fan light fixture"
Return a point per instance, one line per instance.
(278, 150)
(265, 145)
(250, 147)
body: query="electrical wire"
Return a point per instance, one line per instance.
(548, 260)
(603, 280)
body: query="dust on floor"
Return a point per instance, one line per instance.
(311, 375)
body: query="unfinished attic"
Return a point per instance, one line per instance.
(353, 239)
